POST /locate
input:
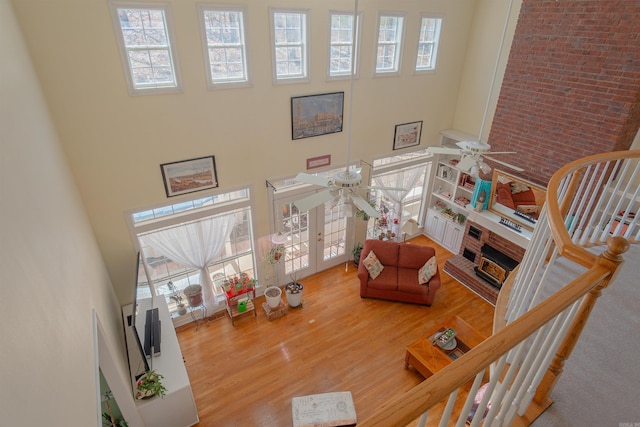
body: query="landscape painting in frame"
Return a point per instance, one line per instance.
(187, 176)
(315, 115)
(407, 135)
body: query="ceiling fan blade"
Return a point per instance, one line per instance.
(314, 200)
(465, 163)
(363, 205)
(377, 187)
(312, 179)
(515, 168)
(442, 150)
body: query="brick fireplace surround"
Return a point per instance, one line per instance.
(462, 269)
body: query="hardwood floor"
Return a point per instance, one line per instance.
(246, 375)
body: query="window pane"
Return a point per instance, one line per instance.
(224, 31)
(289, 44)
(147, 47)
(428, 43)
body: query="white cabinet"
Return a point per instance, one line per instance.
(444, 231)
(177, 408)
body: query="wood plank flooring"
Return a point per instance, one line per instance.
(246, 375)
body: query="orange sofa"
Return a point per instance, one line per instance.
(399, 278)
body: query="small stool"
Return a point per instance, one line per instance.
(326, 410)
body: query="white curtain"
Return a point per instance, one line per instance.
(194, 245)
(406, 178)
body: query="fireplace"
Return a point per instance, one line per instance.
(494, 266)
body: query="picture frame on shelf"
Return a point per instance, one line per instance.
(407, 135)
(188, 176)
(315, 115)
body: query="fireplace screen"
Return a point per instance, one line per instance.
(496, 272)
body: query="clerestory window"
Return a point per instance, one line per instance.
(428, 44)
(147, 47)
(389, 44)
(342, 50)
(225, 45)
(289, 44)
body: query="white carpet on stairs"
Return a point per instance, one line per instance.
(600, 385)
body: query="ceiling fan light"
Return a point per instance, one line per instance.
(474, 171)
(278, 238)
(485, 168)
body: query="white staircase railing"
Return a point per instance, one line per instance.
(589, 203)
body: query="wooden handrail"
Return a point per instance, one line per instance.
(566, 247)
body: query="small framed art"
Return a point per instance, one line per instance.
(187, 176)
(407, 135)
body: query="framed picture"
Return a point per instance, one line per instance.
(187, 176)
(319, 162)
(407, 135)
(315, 115)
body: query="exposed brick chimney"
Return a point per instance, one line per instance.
(572, 84)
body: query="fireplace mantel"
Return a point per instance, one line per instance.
(491, 221)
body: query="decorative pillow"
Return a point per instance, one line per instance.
(427, 271)
(518, 187)
(373, 265)
(528, 209)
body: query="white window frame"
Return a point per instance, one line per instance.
(145, 220)
(243, 45)
(155, 88)
(305, 66)
(394, 70)
(435, 43)
(355, 50)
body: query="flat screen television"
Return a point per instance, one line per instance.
(138, 363)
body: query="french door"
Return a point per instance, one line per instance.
(316, 239)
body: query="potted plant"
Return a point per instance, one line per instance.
(293, 291)
(273, 295)
(362, 214)
(194, 295)
(276, 252)
(357, 250)
(149, 385)
(177, 297)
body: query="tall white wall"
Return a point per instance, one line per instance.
(51, 271)
(115, 143)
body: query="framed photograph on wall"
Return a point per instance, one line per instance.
(315, 115)
(187, 176)
(407, 135)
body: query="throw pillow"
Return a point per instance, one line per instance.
(427, 271)
(518, 187)
(373, 265)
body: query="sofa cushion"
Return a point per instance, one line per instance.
(413, 256)
(387, 280)
(386, 251)
(408, 282)
(428, 270)
(373, 265)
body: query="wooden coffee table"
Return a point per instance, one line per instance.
(428, 358)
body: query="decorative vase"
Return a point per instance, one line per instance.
(294, 293)
(273, 294)
(194, 295)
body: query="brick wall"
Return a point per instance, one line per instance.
(572, 84)
(492, 239)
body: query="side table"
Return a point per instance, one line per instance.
(232, 304)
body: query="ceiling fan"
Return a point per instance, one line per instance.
(472, 153)
(342, 188)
